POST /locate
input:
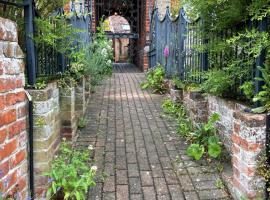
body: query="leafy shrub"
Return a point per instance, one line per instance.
(99, 57)
(170, 107)
(71, 175)
(263, 96)
(155, 80)
(205, 138)
(217, 82)
(248, 89)
(196, 151)
(178, 111)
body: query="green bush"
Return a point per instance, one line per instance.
(264, 96)
(155, 80)
(71, 176)
(202, 137)
(99, 58)
(205, 138)
(217, 82)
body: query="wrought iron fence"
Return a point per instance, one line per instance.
(44, 60)
(49, 61)
(183, 36)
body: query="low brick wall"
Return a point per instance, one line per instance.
(46, 116)
(196, 103)
(13, 114)
(68, 113)
(87, 88)
(80, 98)
(226, 109)
(243, 135)
(248, 142)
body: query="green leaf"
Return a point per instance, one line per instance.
(67, 195)
(214, 150)
(196, 151)
(78, 196)
(259, 110)
(213, 140)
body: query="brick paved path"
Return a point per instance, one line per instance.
(137, 152)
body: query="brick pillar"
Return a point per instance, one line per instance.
(87, 88)
(68, 113)
(248, 142)
(13, 110)
(80, 98)
(46, 132)
(196, 102)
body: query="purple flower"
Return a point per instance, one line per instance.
(50, 180)
(166, 52)
(28, 198)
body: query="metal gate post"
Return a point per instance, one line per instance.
(30, 46)
(31, 74)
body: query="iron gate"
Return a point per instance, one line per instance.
(179, 35)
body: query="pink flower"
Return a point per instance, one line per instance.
(166, 52)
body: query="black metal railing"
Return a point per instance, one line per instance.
(44, 60)
(183, 37)
(49, 61)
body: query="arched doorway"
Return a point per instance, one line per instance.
(117, 24)
(137, 13)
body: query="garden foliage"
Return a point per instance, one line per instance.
(234, 41)
(71, 174)
(93, 59)
(203, 137)
(155, 80)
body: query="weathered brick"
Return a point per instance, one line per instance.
(2, 102)
(8, 149)
(7, 84)
(16, 128)
(13, 98)
(8, 30)
(3, 135)
(17, 159)
(4, 169)
(7, 117)
(13, 137)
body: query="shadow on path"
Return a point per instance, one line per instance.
(138, 154)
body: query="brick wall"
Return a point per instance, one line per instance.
(80, 98)
(243, 135)
(46, 115)
(13, 109)
(68, 112)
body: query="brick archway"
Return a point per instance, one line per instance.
(137, 12)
